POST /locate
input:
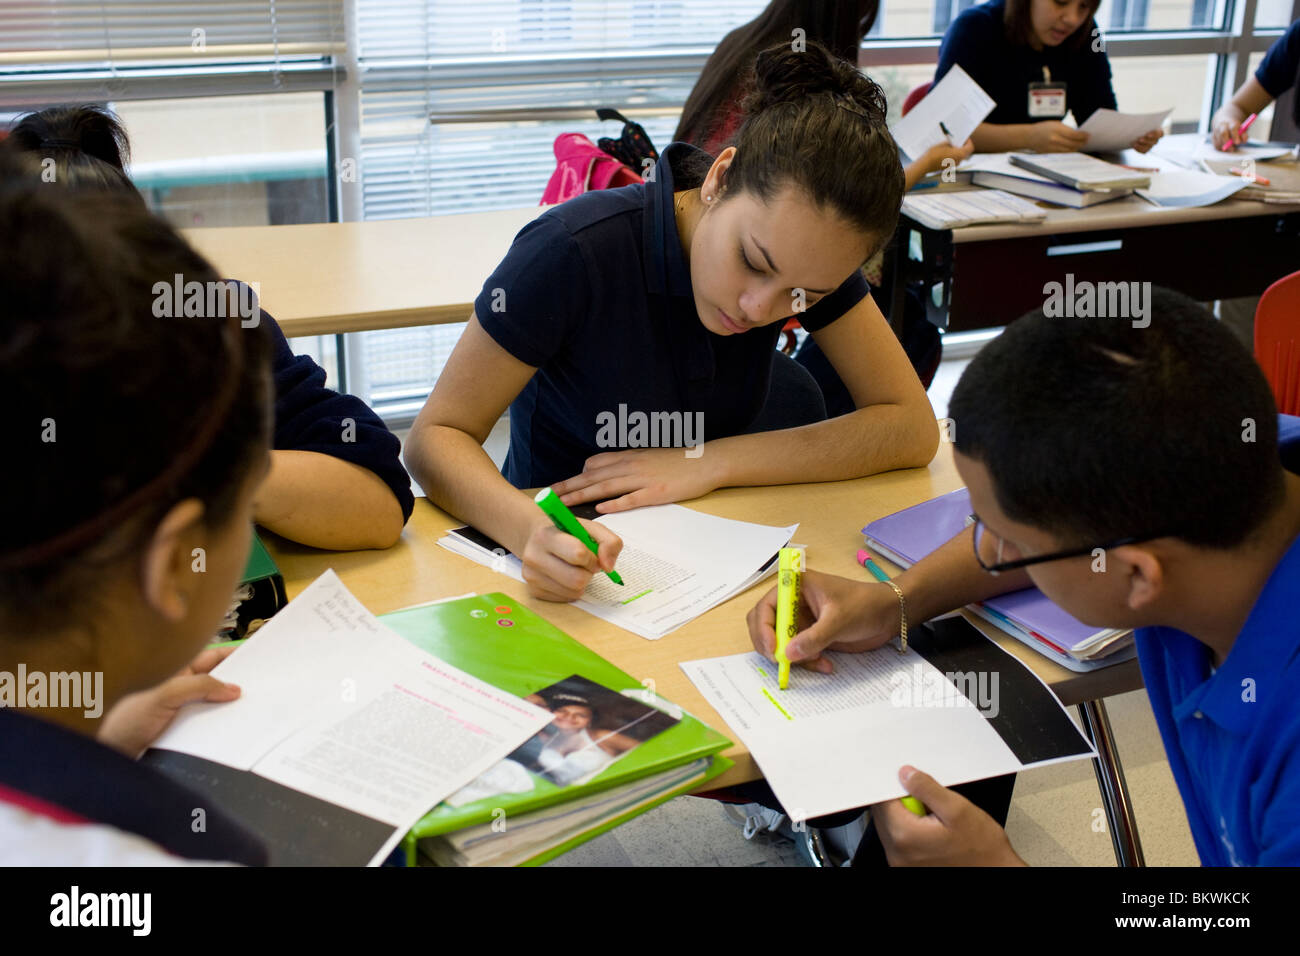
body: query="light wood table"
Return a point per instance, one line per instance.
(830, 517)
(336, 277)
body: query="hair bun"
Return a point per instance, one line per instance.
(785, 75)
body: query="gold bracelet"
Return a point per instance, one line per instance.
(902, 613)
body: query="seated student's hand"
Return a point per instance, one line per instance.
(557, 566)
(835, 614)
(954, 833)
(1053, 136)
(636, 478)
(933, 158)
(1147, 140)
(1224, 126)
(137, 719)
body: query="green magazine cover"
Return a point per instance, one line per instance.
(608, 730)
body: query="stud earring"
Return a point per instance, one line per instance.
(708, 199)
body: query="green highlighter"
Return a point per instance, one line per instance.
(563, 519)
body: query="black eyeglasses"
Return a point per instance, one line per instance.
(998, 566)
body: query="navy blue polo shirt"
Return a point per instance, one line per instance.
(596, 295)
(1281, 64)
(44, 765)
(977, 41)
(1233, 735)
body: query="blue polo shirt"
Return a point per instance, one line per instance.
(1233, 736)
(596, 295)
(977, 41)
(1278, 70)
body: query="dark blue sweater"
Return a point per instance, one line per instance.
(310, 417)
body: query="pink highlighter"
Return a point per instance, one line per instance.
(1241, 131)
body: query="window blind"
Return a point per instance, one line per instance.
(100, 33)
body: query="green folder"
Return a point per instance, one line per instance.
(268, 589)
(500, 641)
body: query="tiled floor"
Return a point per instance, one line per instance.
(1055, 817)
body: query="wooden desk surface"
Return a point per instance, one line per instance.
(357, 276)
(1131, 212)
(830, 516)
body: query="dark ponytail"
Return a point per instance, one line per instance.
(113, 414)
(86, 144)
(818, 123)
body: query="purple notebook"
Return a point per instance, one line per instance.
(914, 532)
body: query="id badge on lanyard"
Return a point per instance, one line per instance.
(1047, 99)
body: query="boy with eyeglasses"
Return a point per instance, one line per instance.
(1160, 449)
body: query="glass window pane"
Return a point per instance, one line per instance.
(230, 160)
(1133, 15)
(1146, 84)
(1273, 13)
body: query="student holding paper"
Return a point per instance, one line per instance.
(666, 299)
(126, 528)
(1038, 60)
(1193, 501)
(714, 110)
(328, 448)
(1277, 73)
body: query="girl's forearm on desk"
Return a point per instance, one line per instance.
(1001, 137)
(870, 440)
(461, 479)
(300, 499)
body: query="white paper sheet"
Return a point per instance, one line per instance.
(676, 564)
(957, 101)
(338, 706)
(1186, 188)
(1110, 131)
(1188, 149)
(835, 742)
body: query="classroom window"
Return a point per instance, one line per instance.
(1145, 84)
(945, 11)
(1274, 13)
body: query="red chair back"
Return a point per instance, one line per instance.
(915, 97)
(1277, 341)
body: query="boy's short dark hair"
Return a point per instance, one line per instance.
(1096, 430)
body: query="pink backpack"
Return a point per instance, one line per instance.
(581, 165)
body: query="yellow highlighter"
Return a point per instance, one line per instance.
(915, 805)
(790, 569)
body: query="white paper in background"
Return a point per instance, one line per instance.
(957, 101)
(837, 741)
(1110, 131)
(1185, 188)
(1188, 149)
(337, 705)
(676, 564)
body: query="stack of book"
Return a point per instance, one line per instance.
(1066, 179)
(1027, 615)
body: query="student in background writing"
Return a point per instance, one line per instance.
(131, 471)
(713, 112)
(667, 299)
(336, 480)
(1160, 449)
(1277, 73)
(1037, 59)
